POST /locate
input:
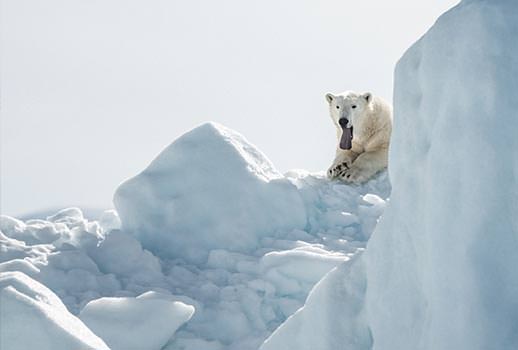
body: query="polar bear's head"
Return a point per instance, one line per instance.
(346, 110)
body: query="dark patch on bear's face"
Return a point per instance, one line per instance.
(346, 141)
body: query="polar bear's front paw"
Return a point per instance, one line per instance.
(354, 175)
(337, 170)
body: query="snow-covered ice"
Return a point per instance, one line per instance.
(176, 205)
(295, 228)
(148, 321)
(333, 316)
(33, 317)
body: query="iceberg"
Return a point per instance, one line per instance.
(440, 264)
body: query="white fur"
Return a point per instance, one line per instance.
(372, 126)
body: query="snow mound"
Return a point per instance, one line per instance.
(176, 205)
(32, 317)
(146, 322)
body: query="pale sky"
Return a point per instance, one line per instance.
(92, 91)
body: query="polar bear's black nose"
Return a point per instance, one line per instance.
(343, 122)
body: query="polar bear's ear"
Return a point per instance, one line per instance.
(329, 97)
(367, 96)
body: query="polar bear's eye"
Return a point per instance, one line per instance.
(353, 106)
(337, 107)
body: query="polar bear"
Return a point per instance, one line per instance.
(363, 124)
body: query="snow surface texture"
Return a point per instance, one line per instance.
(241, 291)
(333, 316)
(151, 319)
(33, 317)
(441, 265)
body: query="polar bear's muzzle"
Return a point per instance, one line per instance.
(347, 134)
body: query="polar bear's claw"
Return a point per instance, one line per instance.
(354, 175)
(337, 170)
